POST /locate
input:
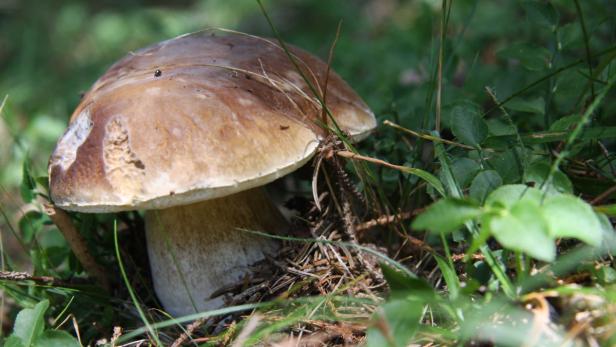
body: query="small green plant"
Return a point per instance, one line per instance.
(30, 330)
(520, 218)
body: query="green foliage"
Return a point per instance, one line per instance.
(509, 181)
(468, 125)
(29, 330)
(447, 215)
(520, 218)
(394, 323)
(484, 183)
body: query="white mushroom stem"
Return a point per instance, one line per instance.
(195, 250)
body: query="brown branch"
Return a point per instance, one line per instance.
(385, 220)
(603, 195)
(427, 136)
(24, 276)
(351, 155)
(77, 243)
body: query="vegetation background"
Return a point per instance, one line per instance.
(550, 61)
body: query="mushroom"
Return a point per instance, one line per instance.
(190, 130)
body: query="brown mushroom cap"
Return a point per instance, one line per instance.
(194, 118)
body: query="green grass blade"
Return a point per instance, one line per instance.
(131, 292)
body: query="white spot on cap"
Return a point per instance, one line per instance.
(244, 101)
(76, 134)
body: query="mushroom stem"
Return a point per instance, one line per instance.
(195, 250)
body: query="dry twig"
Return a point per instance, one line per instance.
(77, 243)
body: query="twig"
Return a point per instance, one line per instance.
(603, 195)
(24, 276)
(426, 136)
(77, 243)
(351, 155)
(460, 257)
(386, 219)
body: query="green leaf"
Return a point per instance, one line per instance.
(468, 125)
(536, 105)
(532, 58)
(30, 224)
(401, 284)
(605, 275)
(509, 164)
(450, 276)
(426, 176)
(463, 170)
(542, 13)
(569, 216)
(43, 181)
(56, 338)
(27, 183)
(538, 172)
(510, 194)
(29, 323)
(569, 34)
(565, 123)
(523, 228)
(394, 323)
(446, 215)
(484, 183)
(13, 341)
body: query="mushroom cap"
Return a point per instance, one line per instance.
(194, 118)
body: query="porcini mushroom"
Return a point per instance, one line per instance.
(190, 130)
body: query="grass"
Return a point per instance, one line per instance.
(473, 99)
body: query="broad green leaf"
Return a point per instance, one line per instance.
(446, 215)
(13, 341)
(56, 338)
(569, 216)
(463, 170)
(542, 13)
(565, 123)
(468, 125)
(535, 105)
(498, 127)
(569, 34)
(509, 164)
(484, 183)
(401, 284)
(524, 228)
(538, 172)
(394, 323)
(531, 57)
(510, 194)
(30, 322)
